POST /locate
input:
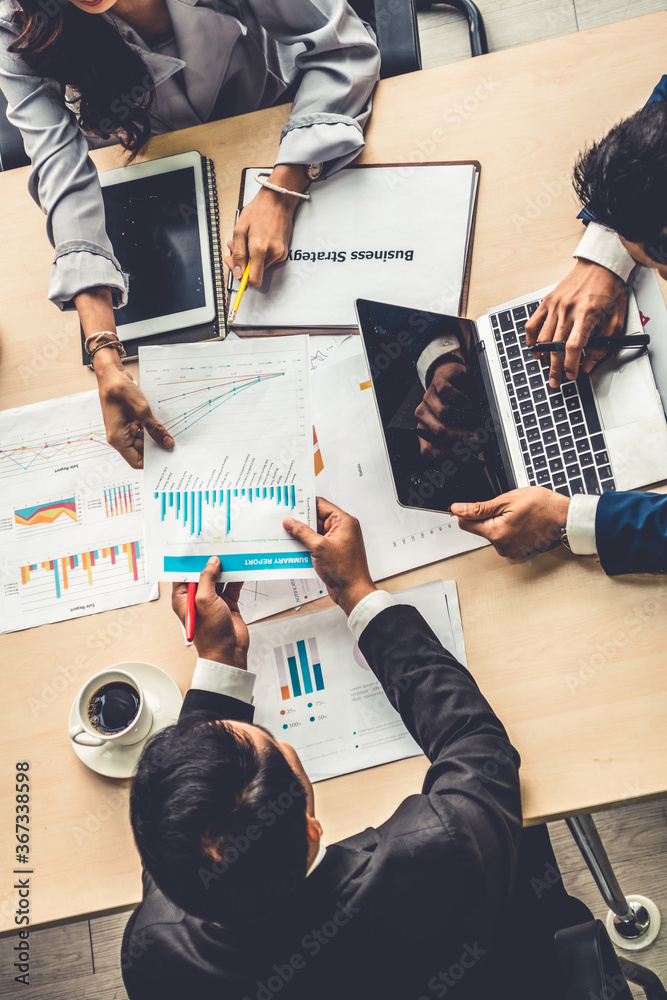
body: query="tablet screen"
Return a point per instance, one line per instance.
(438, 425)
(153, 226)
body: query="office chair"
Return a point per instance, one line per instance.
(395, 25)
(591, 967)
(478, 43)
(12, 153)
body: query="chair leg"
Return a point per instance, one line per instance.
(634, 921)
(644, 978)
(478, 43)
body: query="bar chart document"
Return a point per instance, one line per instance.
(71, 516)
(315, 690)
(242, 461)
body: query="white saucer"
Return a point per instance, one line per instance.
(165, 701)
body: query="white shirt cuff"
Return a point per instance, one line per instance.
(447, 344)
(581, 524)
(602, 246)
(367, 608)
(221, 678)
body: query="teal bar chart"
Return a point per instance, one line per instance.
(299, 668)
(186, 507)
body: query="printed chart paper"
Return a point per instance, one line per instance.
(315, 690)
(262, 598)
(239, 413)
(71, 516)
(258, 601)
(355, 475)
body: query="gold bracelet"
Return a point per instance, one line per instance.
(117, 346)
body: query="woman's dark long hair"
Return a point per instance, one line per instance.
(88, 54)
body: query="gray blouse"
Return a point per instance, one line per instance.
(227, 57)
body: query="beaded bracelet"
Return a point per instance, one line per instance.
(279, 190)
(96, 337)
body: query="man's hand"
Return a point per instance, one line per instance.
(221, 634)
(338, 553)
(517, 523)
(126, 413)
(444, 416)
(264, 227)
(588, 296)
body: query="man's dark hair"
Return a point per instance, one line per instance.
(622, 179)
(220, 824)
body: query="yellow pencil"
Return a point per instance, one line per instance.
(239, 295)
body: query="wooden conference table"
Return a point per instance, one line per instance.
(573, 662)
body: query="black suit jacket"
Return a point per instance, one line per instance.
(414, 909)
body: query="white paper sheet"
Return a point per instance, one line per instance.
(267, 597)
(653, 313)
(384, 233)
(327, 703)
(71, 522)
(356, 476)
(239, 413)
(333, 346)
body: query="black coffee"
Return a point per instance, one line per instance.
(113, 707)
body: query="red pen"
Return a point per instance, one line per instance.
(190, 613)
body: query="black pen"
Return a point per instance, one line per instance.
(605, 343)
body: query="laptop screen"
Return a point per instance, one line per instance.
(438, 426)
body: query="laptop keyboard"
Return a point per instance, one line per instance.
(559, 430)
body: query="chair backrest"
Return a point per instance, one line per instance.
(591, 967)
(395, 24)
(12, 152)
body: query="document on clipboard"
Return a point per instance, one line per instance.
(399, 232)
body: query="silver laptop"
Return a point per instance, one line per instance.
(496, 424)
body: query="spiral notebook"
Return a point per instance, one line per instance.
(163, 222)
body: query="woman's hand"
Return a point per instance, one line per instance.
(264, 228)
(124, 407)
(126, 411)
(589, 296)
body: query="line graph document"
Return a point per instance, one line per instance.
(239, 413)
(315, 689)
(355, 475)
(71, 516)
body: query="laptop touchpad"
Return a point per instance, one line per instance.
(625, 389)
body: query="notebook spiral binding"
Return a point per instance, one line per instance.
(216, 247)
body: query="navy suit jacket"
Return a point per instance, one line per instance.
(631, 532)
(631, 528)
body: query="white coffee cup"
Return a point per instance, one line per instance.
(84, 732)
